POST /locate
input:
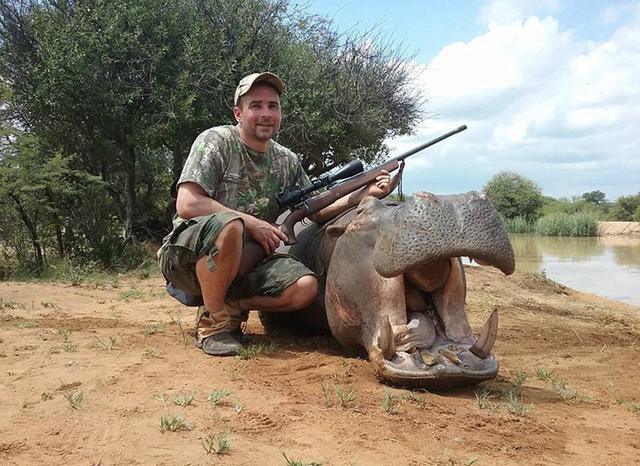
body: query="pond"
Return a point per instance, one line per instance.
(608, 266)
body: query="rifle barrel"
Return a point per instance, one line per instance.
(430, 143)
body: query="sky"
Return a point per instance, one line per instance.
(549, 89)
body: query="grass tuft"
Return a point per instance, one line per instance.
(390, 403)
(151, 329)
(560, 386)
(544, 374)
(106, 345)
(173, 423)
(346, 397)
(184, 399)
(291, 462)
(74, 399)
(217, 395)
(218, 444)
(483, 398)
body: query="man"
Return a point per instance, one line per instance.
(226, 194)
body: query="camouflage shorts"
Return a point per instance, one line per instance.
(195, 238)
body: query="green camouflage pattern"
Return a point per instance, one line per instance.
(240, 178)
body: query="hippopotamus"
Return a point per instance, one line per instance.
(392, 283)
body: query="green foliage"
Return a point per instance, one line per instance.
(518, 225)
(514, 195)
(597, 197)
(626, 209)
(559, 224)
(103, 100)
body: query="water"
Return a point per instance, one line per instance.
(608, 266)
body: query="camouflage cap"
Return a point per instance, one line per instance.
(248, 81)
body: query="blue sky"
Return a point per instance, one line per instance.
(549, 89)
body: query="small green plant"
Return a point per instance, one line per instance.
(8, 304)
(325, 394)
(560, 386)
(564, 391)
(633, 407)
(238, 407)
(251, 351)
(150, 352)
(131, 294)
(173, 423)
(184, 399)
(151, 329)
(515, 404)
(218, 444)
(347, 367)
(215, 396)
(298, 462)
(544, 374)
(417, 398)
(186, 338)
(107, 344)
(346, 397)
(483, 398)
(46, 396)
(67, 346)
(161, 398)
(390, 403)
(74, 399)
(519, 380)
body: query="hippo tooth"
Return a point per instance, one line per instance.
(385, 339)
(428, 359)
(487, 337)
(450, 356)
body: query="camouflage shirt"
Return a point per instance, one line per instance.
(239, 177)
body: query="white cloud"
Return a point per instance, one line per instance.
(509, 11)
(540, 102)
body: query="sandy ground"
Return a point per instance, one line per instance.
(618, 228)
(122, 350)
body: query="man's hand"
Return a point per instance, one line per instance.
(265, 234)
(380, 187)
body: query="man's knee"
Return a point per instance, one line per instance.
(304, 290)
(232, 232)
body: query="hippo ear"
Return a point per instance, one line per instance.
(335, 231)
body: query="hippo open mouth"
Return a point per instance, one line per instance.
(393, 283)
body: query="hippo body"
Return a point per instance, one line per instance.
(387, 274)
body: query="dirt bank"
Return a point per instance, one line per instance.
(121, 350)
(618, 228)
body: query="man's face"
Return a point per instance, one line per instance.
(259, 114)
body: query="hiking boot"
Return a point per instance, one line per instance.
(220, 344)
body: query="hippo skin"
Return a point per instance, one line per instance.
(389, 274)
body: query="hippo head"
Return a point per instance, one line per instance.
(395, 285)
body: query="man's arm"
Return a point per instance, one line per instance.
(193, 201)
(378, 188)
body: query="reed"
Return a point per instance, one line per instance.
(518, 225)
(561, 224)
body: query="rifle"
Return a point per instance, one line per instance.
(303, 206)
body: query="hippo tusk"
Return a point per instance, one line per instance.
(487, 338)
(385, 339)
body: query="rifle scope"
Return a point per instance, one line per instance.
(295, 196)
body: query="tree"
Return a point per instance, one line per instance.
(514, 195)
(119, 90)
(626, 209)
(597, 197)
